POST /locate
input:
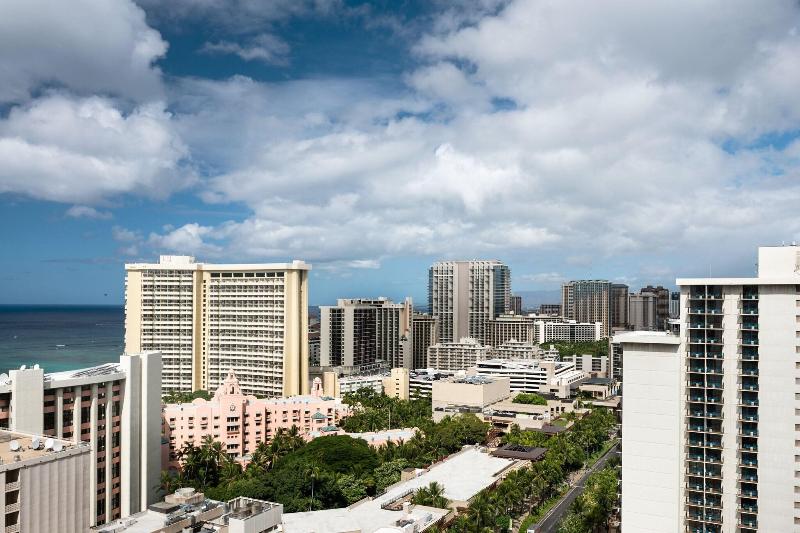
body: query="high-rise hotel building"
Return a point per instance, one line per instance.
(207, 320)
(588, 301)
(360, 332)
(711, 424)
(464, 295)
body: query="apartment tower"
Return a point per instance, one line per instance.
(207, 320)
(423, 336)
(465, 295)
(619, 305)
(360, 332)
(711, 422)
(587, 301)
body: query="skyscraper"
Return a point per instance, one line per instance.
(643, 316)
(587, 301)
(710, 421)
(516, 304)
(423, 336)
(662, 303)
(208, 319)
(619, 305)
(359, 332)
(464, 295)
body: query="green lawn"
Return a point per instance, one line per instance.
(559, 422)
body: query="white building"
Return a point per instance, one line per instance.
(569, 331)
(510, 327)
(456, 356)
(209, 319)
(517, 350)
(556, 377)
(710, 420)
(420, 382)
(114, 408)
(45, 484)
(595, 365)
(464, 295)
(358, 332)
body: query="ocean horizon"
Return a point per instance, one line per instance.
(60, 337)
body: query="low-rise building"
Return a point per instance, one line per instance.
(569, 331)
(462, 476)
(420, 382)
(598, 388)
(557, 377)
(396, 383)
(188, 510)
(44, 483)
(337, 386)
(240, 422)
(594, 365)
(467, 394)
(517, 350)
(455, 356)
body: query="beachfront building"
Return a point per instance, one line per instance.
(241, 421)
(710, 424)
(113, 408)
(207, 319)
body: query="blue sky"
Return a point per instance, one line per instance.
(371, 139)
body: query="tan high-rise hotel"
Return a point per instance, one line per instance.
(207, 320)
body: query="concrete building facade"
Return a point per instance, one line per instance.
(455, 356)
(357, 332)
(465, 295)
(568, 331)
(619, 305)
(207, 319)
(45, 484)
(535, 376)
(643, 316)
(510, 327)
(588, 301)
(114, 408)
(710, 423)
(423, 336)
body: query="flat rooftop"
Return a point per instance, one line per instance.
(26, 450)
(463, 475)
(647, 337)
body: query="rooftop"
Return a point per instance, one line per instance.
(462, 475)
(19, 447)
(647, 337)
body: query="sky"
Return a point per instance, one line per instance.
(624, 140)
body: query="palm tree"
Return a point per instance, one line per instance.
(168, 483)
(312, 471)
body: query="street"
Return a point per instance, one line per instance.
(550, 521)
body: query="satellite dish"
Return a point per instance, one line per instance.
(14, 445)
(48, 444)
(57, 447)
(35, 443)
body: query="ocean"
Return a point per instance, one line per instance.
(60, 337)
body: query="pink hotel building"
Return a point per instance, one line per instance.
(240, 421)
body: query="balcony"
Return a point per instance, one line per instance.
(749, 478)
(13, 528)
(12, 486)
(749, 432)
(748, 508)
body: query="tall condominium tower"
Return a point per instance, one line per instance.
(619, 305)
(464, 295)
(423, 336)
(362, 332)
(643, 315)
(587, 301)
(711, 419)
(662, 297)
(207, 320)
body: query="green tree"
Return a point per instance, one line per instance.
(431, 496)
(352, 488)
(530, 399)
(388, 473)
